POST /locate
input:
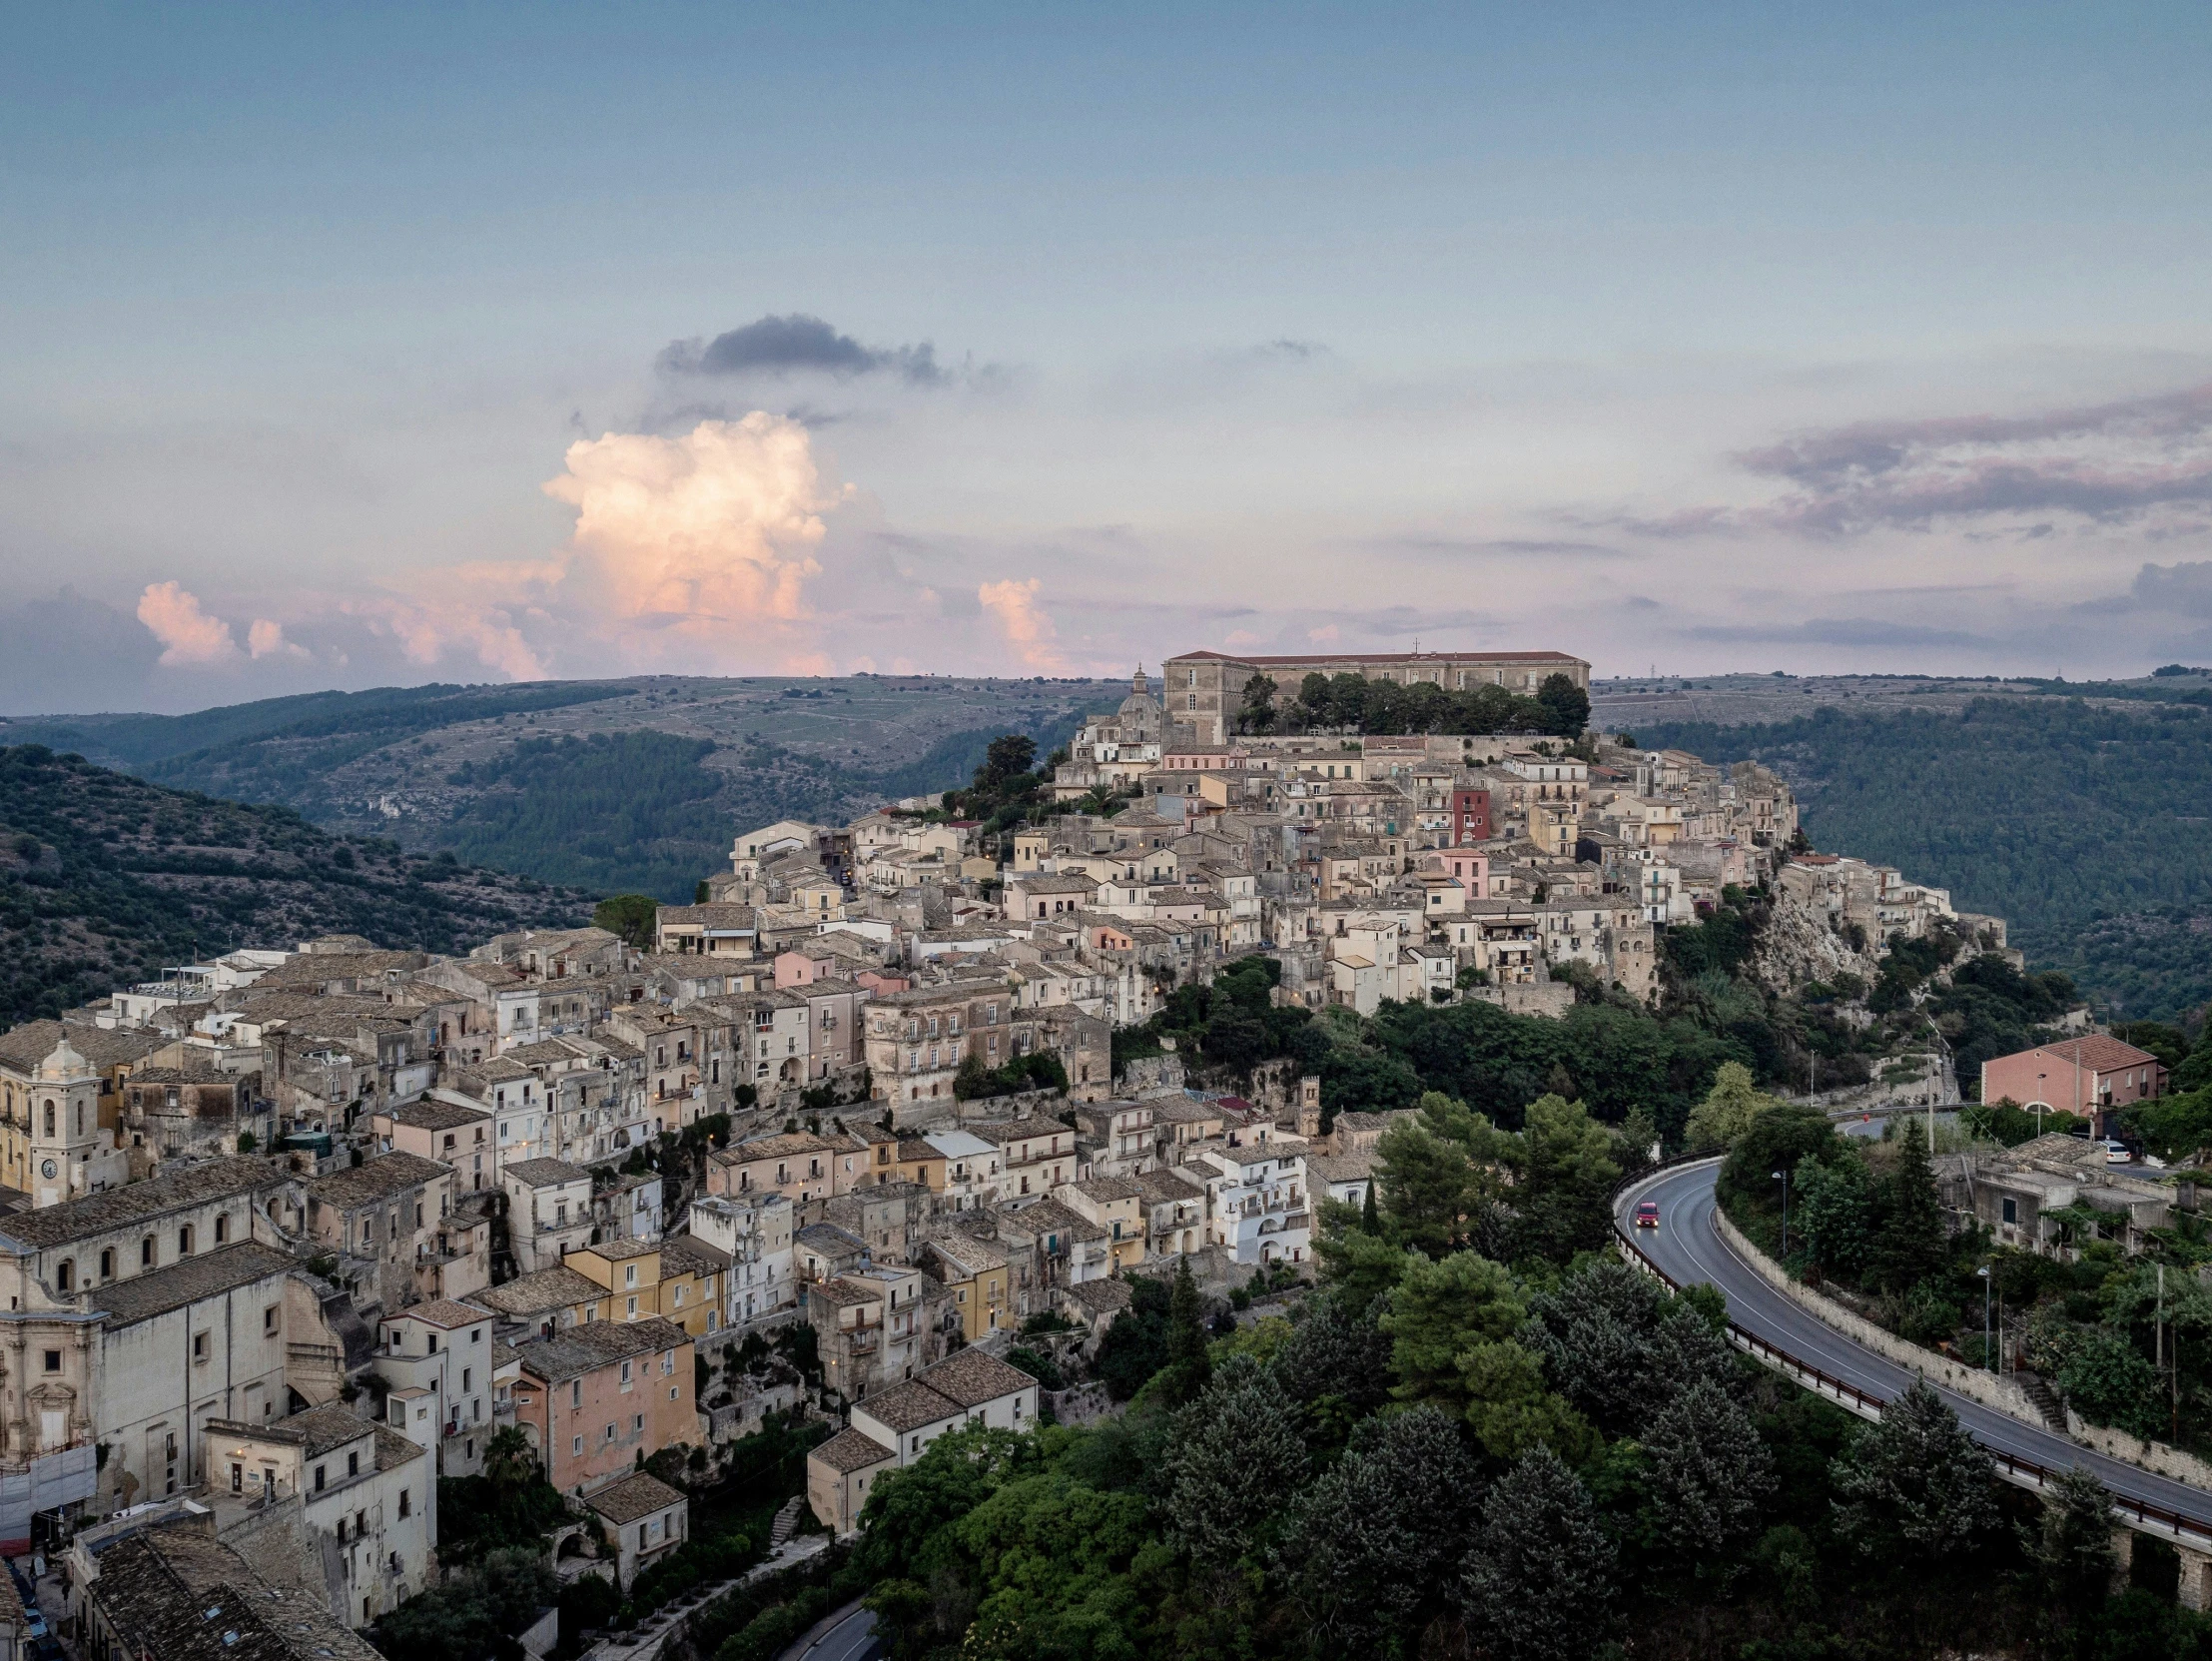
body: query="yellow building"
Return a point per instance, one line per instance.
(680, 1279)
(975, 1272)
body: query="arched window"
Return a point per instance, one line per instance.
(184, 1241)
(222, 1227)
(49, 1118)
(146, 1253)
(65, 1275)
(80, 1119)
(106, 1263)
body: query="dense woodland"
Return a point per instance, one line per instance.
(105, 879)
(2087, 829)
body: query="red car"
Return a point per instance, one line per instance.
(1647, 1213)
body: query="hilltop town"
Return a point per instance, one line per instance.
(292, 1234)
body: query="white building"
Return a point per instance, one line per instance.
(436, 1357)
(756, 1234)
(1257, 1202)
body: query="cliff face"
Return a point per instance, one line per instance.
(1799, 946)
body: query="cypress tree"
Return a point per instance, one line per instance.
(1912, 1244)
(1370, 1214)
(1186, 1351)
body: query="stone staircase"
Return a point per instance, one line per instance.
(2046, 1399)
(786, 1523)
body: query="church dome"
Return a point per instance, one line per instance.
(1140, 710)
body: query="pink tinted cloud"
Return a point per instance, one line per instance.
(1025, 625)
(189, 638)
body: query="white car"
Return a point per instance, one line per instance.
(2115, 1152)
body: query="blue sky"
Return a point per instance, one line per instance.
(398, 345)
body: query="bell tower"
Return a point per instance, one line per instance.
(65, 1125)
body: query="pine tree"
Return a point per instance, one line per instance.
(2074, 1546)
(1538, 1584)
(1915, 1484)
(1709, 1472)
(1370, 1215)
(1235, 1453)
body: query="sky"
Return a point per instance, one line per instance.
(373, 346)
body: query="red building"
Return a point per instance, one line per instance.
(1470, 817)
(2091, 1074)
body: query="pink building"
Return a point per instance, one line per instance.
(2090, 1075)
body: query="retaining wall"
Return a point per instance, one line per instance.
(1991, 1390)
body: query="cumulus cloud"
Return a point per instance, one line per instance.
(798, 344)
(1028, 627)
(189, 638)
(476, 609)
(266, 639)
(2105, 463)
(698, 533)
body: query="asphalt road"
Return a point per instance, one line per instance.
(1688, 1247)
(851, 1639)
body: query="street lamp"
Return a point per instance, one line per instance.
(1983, 1271)
(1783, 1177)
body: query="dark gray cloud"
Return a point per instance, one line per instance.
(798, 344)
(2104, 461)
(2183, 591)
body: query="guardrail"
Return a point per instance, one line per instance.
(2173, 1526)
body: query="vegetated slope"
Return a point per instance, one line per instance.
(617, 785)
(2088, 829)
(105, 879)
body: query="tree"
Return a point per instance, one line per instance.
(1234, 1453)
(632, 916)
(1914, 1483)
(1912, 1244)
(1006, 759)
(1511, 1411)
(1709, 1472)
(1256, 713)
(1439, 1312)
(511, 1463)
(1370, 1214)
(1186, 1341)
(1430, 1185)
(2074, 1544)
(1569, 1181)
(1335, 1364)
(1370, 1545)
(1565, 705)
(1538, 1584)
(1833, 1213)
(1727, 1109)
(1358, 1267)
(2107, 1381)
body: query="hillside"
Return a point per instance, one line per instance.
(2088, 826)
(635, 785)
(105, 879)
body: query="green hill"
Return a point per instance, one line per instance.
(627, 785)
(105, 879)
(2088, 828)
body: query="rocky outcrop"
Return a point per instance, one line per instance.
(1799, 946)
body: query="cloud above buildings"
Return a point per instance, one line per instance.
(1025, 625)
(795, 344)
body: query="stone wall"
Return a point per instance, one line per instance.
(1991, 1390)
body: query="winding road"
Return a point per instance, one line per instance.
(1688, 1249)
